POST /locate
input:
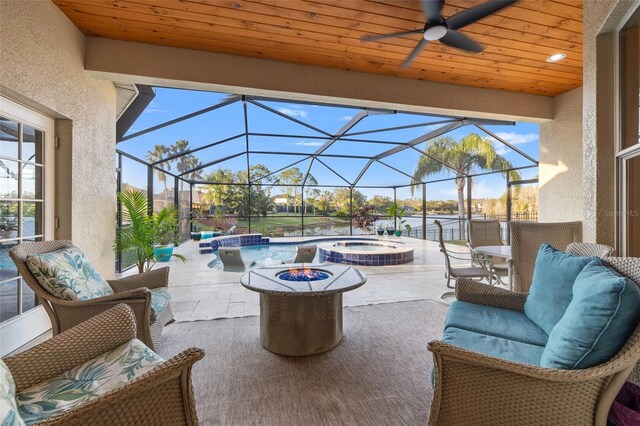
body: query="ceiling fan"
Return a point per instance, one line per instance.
(446, 30)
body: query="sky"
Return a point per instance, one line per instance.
(228, 122)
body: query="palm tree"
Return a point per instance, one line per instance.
(215, 192)
(159, 152)
(472, 151)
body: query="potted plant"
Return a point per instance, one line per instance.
(143, 231)
(392, 211)
(196, 235)
(167, 233)
(398, 213)
(380, 229)
(402, 222)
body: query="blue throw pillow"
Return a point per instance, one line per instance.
(605, 310)
(551, 287)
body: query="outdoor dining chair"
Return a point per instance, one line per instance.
(454, 272)
(488, 232)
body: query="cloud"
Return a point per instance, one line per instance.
(501, 149)
(153, 109)
(484, 189)
(308, 143)
(518, 138)
(346, 118)
(293, 112)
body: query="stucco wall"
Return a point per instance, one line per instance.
(601, 17)
(42, 65)
(561, 161)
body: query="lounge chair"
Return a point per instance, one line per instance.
(304, 254)
(232, 261)
(231, 230)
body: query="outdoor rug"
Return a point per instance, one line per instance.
(378, 375)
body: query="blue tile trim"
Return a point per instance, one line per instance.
(258, 239)
(365, 259)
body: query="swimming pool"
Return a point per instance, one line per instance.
(366, 253)
(265, 255)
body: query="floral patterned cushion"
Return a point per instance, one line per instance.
(67, 274)
(86, 382)
(8, 409)
(159, 302)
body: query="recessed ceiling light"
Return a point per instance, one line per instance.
(556, 57)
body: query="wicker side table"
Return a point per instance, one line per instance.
(303, 317)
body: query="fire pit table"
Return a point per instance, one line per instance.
(301, 305)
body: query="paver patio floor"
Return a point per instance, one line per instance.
(202, 293)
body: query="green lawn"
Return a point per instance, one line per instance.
(265, 224)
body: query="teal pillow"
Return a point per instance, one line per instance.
(550, 292)
(605, 310)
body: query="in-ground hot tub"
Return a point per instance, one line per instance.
(367, 253)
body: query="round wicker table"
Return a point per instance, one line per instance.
(299, 318)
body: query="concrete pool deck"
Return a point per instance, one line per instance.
(201, 293)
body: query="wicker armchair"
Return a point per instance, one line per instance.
(134, 291)
(163, 395)
(526, 239)
(473, 388)
(590, 249)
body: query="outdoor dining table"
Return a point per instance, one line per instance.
(497, 251)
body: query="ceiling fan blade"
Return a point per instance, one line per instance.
(432, 9)
(414, 53)
(383, 36)
(454, 38)
(469, 16)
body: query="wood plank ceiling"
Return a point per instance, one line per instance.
(326, 33)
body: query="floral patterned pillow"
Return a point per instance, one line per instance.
(86, 382)
(67, 274)
(8, 409)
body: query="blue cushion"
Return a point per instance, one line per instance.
(498, 322)
(605, 310)
(551, 287)
(494, 346)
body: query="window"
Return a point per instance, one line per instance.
(629, 44)
(21, 207)
(629, 148)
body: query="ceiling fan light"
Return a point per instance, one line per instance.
(556, 57)
(435, 33)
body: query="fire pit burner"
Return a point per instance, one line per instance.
(304, 274)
